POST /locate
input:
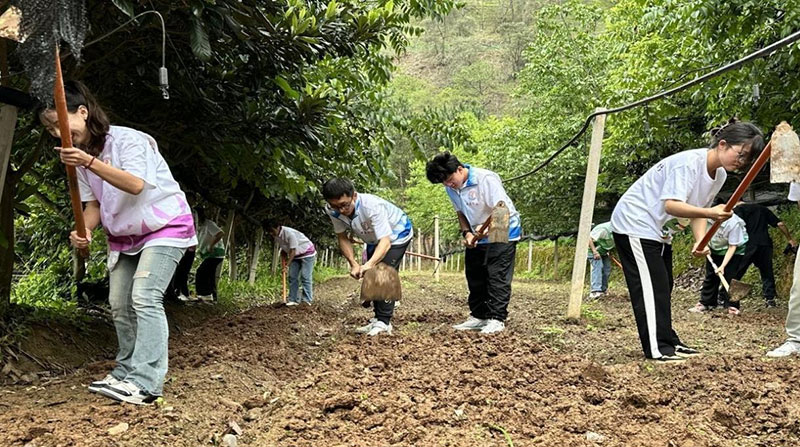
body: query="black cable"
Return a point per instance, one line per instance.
(733, 65)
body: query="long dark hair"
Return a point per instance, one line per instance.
(77, 94)
(735, 131)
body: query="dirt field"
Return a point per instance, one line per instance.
(299, 377)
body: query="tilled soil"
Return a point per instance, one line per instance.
(299, 377)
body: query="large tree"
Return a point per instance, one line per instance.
(268, 99)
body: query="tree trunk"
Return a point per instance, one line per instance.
(276, 257)
(233, 270)
(256, 251)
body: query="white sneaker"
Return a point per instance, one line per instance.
(785, 350)
(493, 327)
(595, 295)
(128, 392)
(379, 327)
(472, 324)
(104, 382)
(205, 298)
(368, 327)
(292, 303)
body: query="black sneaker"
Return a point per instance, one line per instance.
(772, 303)
(128, 392)
(685, 351)
(670, 359)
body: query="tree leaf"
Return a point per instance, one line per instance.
(125, 6)
(198, 38)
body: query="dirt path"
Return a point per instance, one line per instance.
(297, 377)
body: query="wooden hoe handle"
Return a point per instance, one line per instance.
(66, 142)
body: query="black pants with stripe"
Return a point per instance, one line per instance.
(489, 269)
(647, 265)
(385, 309)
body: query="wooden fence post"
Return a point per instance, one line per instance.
(587, 211)
(436, 245)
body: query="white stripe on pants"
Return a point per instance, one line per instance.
(649, 296)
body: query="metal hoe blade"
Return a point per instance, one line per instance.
(785, 159)
(738, 290)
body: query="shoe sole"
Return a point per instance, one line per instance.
(467, 328)
(387, 332)
(688, 356)
(667, 362)
(108, 392)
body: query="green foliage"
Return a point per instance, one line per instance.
(268, 100)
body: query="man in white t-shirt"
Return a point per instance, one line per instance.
(792, 344)
(300, 255)
(383, 226)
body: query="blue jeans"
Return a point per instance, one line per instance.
(136, 294)
(601, 269)
(304, 268)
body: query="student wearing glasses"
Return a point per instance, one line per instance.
(383, 226)
(681, 185)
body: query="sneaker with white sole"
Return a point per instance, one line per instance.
(685, 351)
(785, 350)
(595, 296)
(128, 392)
(734, 310)
(700, 308)
(493, 327)
(670, 359)
(472, 324)
(379, 327)
(366, 328)
(186, 299)
(205, 298)
(292, 303)
(102, 383)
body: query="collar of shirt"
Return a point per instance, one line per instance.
(472, 179)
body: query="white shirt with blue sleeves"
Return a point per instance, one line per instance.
(373, 220)
(480, 193)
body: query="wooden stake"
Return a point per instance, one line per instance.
(419, 250)
(530, 255)
(587, 211)
(436, 246)
(555, 259)
(8, 121)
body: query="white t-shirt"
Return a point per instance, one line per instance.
(730, 232)
(374, 219)
(158, 216)
(476, 199)
(684, 177)
(289, 239)
(794, 192)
